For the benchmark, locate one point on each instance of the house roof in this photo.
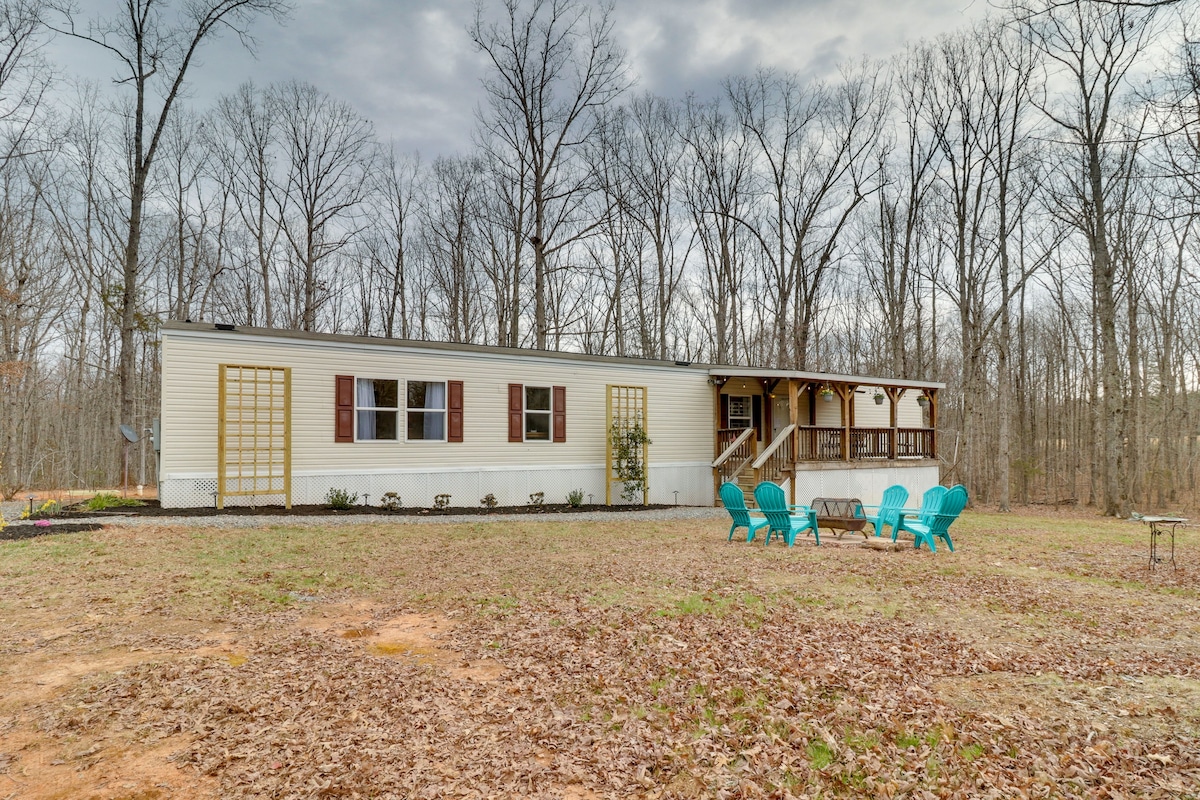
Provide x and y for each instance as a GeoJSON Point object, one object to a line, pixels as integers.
{"type": "Point", "coordinates": [344, 340]}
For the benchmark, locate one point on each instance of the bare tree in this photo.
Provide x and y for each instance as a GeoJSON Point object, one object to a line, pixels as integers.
{"type": "Point", "coordinates": [452, 242]}
{"type": "Point", "coordinates": [245, 139]}
{"type": "Point", "coordinates": [154, 45]}
{"type": "Point", "coordinates": [24, 78]}
{"type": "Point", "coordinates": [329, 150]}
{"type": "Point", "coordinates": [553, 67]}
{"type": "Point", "coordinates": [653, 171]}
{"type": "Point", "coordinates": [27, 277]}
{"type": "Point", "coordinates": [1091, 47]}
{"type": "Point", "coordinates": [185, 161]}
{"type": "Point", "coordinates": [720, 164]}
{"type": "Point", "coordinates": [390, 238]}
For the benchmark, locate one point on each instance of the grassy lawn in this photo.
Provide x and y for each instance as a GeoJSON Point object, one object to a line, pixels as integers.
{"type": "Point", "coordinates": [595, 660]}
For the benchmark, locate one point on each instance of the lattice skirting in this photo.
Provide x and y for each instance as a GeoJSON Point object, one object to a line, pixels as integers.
{"type": "Point", "coordinates": [865, 484]}
{"type": "Point", "coordinates": [466, 487]}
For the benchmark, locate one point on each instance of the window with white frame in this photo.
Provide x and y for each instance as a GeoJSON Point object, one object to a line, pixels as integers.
{"type": "Point", "coordinates": [741, 411]}
{"type": "Point", "coordinates": [376, 402]}
{"type": "Point", "coordinates": [426, 411]}
{"type": "Point", "coordinates": [537, 413]}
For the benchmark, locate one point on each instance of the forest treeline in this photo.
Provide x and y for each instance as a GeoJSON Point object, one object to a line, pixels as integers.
{"type": "Point", "coordinates": [1010, 209]}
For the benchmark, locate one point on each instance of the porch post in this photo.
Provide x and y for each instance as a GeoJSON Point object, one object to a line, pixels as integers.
{"type": "Point", "coordinates": [933, 412]}
{"type": "Point", "coordinates": [893, 395]}
{"type": "Point", "coordinates": [716, 438]}
{"type": "Point", "coordinates": [793, 419]}
{"type": "Point", "coordinates": [845, 393]}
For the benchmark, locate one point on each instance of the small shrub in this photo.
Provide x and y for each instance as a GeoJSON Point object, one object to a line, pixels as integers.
{"type": "Point", "coordinates": [390, 501]}
{"type": "Point", "coordinates": [107, 500]}
{"type": "Point", "coordinates": [441, 501]}
{"type": "Point", "coordinates": [489, 501]}
{"type": "Point", "coordinates": [537, 498]}
{"type": "Point", "coordinates": [575, 498]}
{"type": "Point", "coordinates": [340, 499]}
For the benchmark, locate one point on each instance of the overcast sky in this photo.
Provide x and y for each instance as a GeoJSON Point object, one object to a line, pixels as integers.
{"type": "Point", "coordinates": [409, 66]}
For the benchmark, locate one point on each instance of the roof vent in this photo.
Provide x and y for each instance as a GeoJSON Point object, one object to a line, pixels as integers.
{"type": "Point", "coordinates": [225, 326]}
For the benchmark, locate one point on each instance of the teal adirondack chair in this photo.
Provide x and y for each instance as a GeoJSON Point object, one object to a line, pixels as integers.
{"type": "Point", "coordinates": [938, 526]}
{"type": "Point", "coordinates": [773, 503]}
{"type": "Point", "coordinates": [735, 503]}
{"type": "Point", "coordinates": [931, 501]}
{"type": "Point", "coordinates": [888, 511]}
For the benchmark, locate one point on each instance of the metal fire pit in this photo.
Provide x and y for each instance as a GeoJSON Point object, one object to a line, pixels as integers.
{"type": "Point", "coordinates": [843, 513]}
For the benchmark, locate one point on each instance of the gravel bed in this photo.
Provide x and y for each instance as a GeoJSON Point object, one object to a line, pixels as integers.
{"type": "Point", "coordinates": [266, 520]}
{"type": "Point", "coordinates": [12, 509]}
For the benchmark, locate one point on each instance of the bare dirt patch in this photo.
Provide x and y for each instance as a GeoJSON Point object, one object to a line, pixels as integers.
{"type": "Point", "coordinates": [94, 762]}
{"type": "Point", "coordinates": [420, 638]}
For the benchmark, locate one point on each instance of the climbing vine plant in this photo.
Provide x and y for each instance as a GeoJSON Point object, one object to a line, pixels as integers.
{"type": "Point", "coordinates": [629, 459]}
{"type": "Point", "coordinates": [627, 443]}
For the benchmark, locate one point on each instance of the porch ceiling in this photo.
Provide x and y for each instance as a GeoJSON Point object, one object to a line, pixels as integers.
{"type": "Point", "coordinates": [860, 380]}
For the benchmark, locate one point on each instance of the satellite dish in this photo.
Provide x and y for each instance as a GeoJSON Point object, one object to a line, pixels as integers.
{"type": "Point", "coordinates": [129, 433]}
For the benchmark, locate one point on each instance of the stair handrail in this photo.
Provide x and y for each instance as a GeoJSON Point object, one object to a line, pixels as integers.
{"type": "Point", "coordinates": [733, 446]}
{"type": "Point", "coordinates": [775, 444]}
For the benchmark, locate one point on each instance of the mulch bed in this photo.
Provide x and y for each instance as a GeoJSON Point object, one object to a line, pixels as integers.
{"type": "Point", "coordinates": [153, 509]}
{"type": "Point", "coordinates": [16, 532]}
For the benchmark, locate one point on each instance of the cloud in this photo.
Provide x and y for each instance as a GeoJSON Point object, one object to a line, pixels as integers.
{"type": "Point", "coordinates": [411, 68]}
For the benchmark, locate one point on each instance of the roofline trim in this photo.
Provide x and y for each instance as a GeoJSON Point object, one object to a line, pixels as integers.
{"type": "Point", "coordinates": [861, 380]}
{"type": "Point", "coordinates": [209, 331]}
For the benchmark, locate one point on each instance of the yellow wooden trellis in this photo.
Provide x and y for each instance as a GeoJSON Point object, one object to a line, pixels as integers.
{"type": "Point", "coordinates": [625, 409]}
{"type": "Point", "coordinates": [254, 432]}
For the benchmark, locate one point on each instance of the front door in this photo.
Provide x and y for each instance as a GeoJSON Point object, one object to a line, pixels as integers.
{"type": "Point", "coordinates": [780, 418]}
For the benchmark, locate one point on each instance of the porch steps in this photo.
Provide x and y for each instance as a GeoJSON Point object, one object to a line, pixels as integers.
{"type": "Point", "coordinates": [745, 482]}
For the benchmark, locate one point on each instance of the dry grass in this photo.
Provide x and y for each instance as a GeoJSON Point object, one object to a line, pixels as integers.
{"type": "Point", "coordinates": [581, 660]}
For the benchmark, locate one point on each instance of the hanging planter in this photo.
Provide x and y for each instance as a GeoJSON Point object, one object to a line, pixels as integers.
{"type": "Point", "coordinates": [879, 398]}
{"type": "Point", "coordinates": [923, 400]}
{"type": "Point", "coordinates": [826, 394]}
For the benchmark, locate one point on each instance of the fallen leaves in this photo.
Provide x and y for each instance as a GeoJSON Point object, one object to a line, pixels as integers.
{"type": "Point", "coordinates": [693, 669]}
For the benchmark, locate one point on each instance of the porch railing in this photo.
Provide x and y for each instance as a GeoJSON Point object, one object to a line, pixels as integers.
{"type": "Point", "coordinates": [736, 456]}
{"type": "Point", "coordinates": [867, 443]}
{"type": "Point", "coordinates": [777, 458]}
{"type": "Point", "coordinates": [914, 443]}
{"type": "Point", "coordinates": [816, 443]}
{"type": "Point", "coordinates": [819, 444]}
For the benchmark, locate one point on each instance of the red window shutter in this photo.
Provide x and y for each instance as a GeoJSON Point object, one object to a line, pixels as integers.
{"type": "Point", "coordinates": [560, 413]}
{"type": "Point", "coordinates": [343, 423]}
{"type": "Point", "coordinates": [516, 412]}
{"type": "Point", "coordinates": [454, 411]}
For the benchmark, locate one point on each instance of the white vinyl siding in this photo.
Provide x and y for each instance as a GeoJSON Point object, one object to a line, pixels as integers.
{"type": "Point", "coordinates": [829, 412]}
{"type": "Point", "coordinates": [679, 418]}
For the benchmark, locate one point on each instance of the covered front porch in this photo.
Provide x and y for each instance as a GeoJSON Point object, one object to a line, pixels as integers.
{"type": "Point", "coordinates": [774, 425]}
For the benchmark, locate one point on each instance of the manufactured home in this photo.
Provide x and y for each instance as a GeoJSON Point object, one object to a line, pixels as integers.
{"type": "Point", "coordinates": [252, 416]}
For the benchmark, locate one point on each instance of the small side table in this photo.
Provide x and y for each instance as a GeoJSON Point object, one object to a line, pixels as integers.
{"type": "Point", "coordinates": [1160, 526]}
